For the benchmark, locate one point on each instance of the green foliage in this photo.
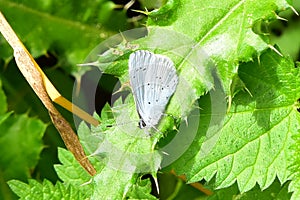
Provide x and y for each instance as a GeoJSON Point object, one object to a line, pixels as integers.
{"type": "Point", "coordinates": [116, 162]}
{"type": "Point", "coordinates": [21, 145]}
{"type": "Point", "coordinates": [46, 190]}
{"type": "Point", "coordinates": [79, 185]}
{"type": "Point", "coordinates": [69, 29]}
{"type": "Point", "coordinates": [248, 150]}
{"type": "Point", "coordinates": [295, 184]}
{"type": "Point", "coordinates": [223, 29]}
{"type": "Point", "coordinates": [70, 171]}
{"type": "Point", "coordinates": [274, 191]}
{"type": "Point", "coordinates": [287, 33]}
{"type": "Point", "coordinates": [255, 137]}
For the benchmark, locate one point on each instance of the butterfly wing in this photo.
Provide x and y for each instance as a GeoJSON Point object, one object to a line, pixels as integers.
{"type": "Point", "coordinates": [153, 80]}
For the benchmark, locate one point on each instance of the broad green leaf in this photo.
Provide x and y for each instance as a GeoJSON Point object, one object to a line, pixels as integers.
{"type": "Point", "coordinates": [76, 180]}
{"type": "Point", "coordinates": [222, 28]}
{"type": "Point", "coordinates": [121, 161]}
{"type": "Point", "coordinates": [121, 181]}
{"type": "Point", "coordinates": [243, 142]}
{"type": "Point", "coordinates": [79, 185]}
{"type": "Point", "coordinates": [69, 29]}
{"type": "Point", "coordinates": [71, 172]}
{"type": "Point", "coordinates": [252, 144]}
{"type": "Point", "coordinates": [191, 39]}
{"type": "Point", "coordinates": [295, 184]}
{"type": "Point", "coordinates": [21, 144]}
{"type": "Point", "coordinates": [45, 190]}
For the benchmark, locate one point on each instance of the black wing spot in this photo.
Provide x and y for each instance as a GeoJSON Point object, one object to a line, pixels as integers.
{"type": "Point", "coordinates": [144, 69]}
{"type": "Point", "coordinates": [162, 88]}
{"type": "Point", "coordinates": [167, 97]}
{"type": "Point", "coordinates": [156, 100]}
{"type": "Point", "coordinates": [148, 83]}
{"type": "Point", "coordinates": [149, 102]}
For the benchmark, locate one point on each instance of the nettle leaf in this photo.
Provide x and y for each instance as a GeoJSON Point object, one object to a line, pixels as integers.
{"type": "Point", "coordinates": [21, 144]}
{"type": "Point", "coordinates": [295, 184]}
{"type": "Point", "coordinates": [244, 145]}
{"type": "Point", "coordinates": [191, 39]}
{"type": "Point", "coordinates": [252, 144]}
{"type": "Point", "coordinates": [67, 29]}
{"type": "Point", "coordinates": [222, 29]}
{"type": "Point", "coordinates": [120, 160]}
{"type": "Point", "coordinates": [196, 73]}
{"type": "Point", "coordinates": [45, 190]}
{"type": "Point", "coordinates": [71, 172]}
{"type": "Point", "coordinates": [275, 191]}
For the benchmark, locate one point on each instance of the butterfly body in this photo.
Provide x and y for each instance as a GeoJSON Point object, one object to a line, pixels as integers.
{"type": "Point", "coordinates": [153, 80]}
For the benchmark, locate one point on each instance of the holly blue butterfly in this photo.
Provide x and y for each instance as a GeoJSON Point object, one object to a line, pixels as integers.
{"type": "Point", "coordinates": [153, 80]}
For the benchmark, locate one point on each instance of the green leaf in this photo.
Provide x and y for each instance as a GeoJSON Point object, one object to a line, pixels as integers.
{"type": "Point", "coordinates": [295, 184]}
{"type": "Point", "coordinates": [45, 190]}
{"type": "Point", "coordinates": [141, 190]}
{"type": "Point", "coordinates": [120, 161]}
{"type": "Point", "coordinates": [21, 144]}
{"type": "Point", "coordinates": [275, 191]}
{"type": "Point", "coordinates": [120, 180]}
{"type": "Point", "coordinates": [20, 188]}
{"type": "Point", "coordinates": [255, 125]}
{"type": "Point", "coordinates": [76, 180]}
{"type": "Point", "coordinates": [252, 143]}
{"type": "Point", "coordinates": [71, 172]}
{"type": "Point", "coordinates": [222, 29]}
{"type": "Point", "coordinates": [191, 39]}
{"type": "Point", "coordinates": [69, 29]}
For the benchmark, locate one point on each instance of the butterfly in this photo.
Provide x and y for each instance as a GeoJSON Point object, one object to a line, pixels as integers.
{"type": "Point", "coordinates": [153, 80]}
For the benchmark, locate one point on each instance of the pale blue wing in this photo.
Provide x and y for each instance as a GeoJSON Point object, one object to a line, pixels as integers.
{"type": "Point", "coordinates": [153, 80]}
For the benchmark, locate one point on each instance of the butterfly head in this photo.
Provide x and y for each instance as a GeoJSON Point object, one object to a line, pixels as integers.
{"type": "Point", "coordinates": [142, 124]}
